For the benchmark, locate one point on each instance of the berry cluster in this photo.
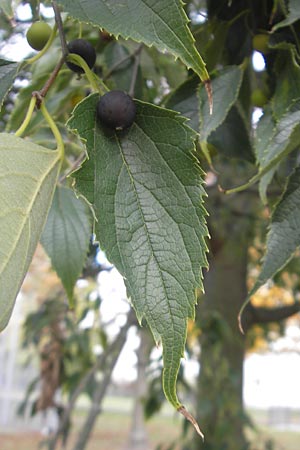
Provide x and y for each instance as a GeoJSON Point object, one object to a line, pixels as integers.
{"type": "Point", "coordinates": [115, 109]}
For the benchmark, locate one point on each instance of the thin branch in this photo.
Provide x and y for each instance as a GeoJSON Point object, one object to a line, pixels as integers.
{"type": "Point", "coordinates": [101, 362]}
{"type": "Point", "coordinates": [40, 95]}
{"type": "Point", "coordinates": [110, 361]}
{"type": "Point", "coordinates": [60, 27]}
{"type": "Point", "coordinates": [258, 315]}
{"type": "Point", "coordinates": [135, 70]}
{"type": "Point", "coordinates": [115, 66]}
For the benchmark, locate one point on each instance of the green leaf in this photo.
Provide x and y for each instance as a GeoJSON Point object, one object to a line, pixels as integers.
{"type": "Point", "coordinates": [264, 134]}
{"type": "Point", "coordinates": [66, 236]}
{"type": "Point", "coordinates": [162, 23]}
{"type": "Point", "coordinates": [146, 189]}
{"type": "Point", "coordinates": [6, 7]}
{"type": "Point", "coordinates": [225, 89]}
{"type": "Point", "coordinates": [284, 235]}
{"type": "Point", "coordinates": [185, 100]}
{"type": "Point", "coordinates": [122, 75]}
{"type": "Point", "coordinates": [281, 142]}
{"type": "Point", "coordinates": [287, 83]}
{"type": "Point", "coordinates": [293, 15]}
{"type": "Point", "coordinates": [28, 175]}
{"type": "Point", "coordinates": [232, 138]}
{"type": "Point", "coordinates": [8, 72]}
{"type": "Point", "coordinates": [264, 183]}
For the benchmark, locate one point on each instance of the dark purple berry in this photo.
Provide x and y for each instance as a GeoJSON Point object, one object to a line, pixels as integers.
{"type": "Point", "coordinates": [84, 49]}
{"type": "Point", "coordinates": [116, 110]}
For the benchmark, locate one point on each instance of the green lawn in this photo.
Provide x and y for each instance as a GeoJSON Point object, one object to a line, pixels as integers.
{"type": "Point", "coordinates": [112, 430]}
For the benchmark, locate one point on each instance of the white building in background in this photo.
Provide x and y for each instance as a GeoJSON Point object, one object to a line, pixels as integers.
{"type": "Point", "coordinates": [272, 380]}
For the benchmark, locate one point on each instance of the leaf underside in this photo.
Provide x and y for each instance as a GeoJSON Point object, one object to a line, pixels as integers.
{"type": "Point", "coordinates": [8, 72]}
{"type": "Point", "coordinates": [292, 16]}
{"type": "Point", "coordinates": [66, 236]}
{"type": "Point", "coordinates": [274, 141]}
{"type": "Point", "coordinates": [28, 174]}
{"type": "Point", "coordinates": [225, 88]}
{"type": "Point", "coordinates": [284, 235]}
{"type": "Point", "coordinates": [164, 25]}
{"type": "Point", "coordinates": [146, 190]}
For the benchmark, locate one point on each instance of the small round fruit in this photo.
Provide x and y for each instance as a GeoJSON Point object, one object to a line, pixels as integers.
{"type": "Point", "coordinates": [258, 98]}
{"type": "Point", "coordinates": [84, 49]}
{"type": "Point", "coordinates": [116, 110]}
{"type": "Point", "coordinates": [38, 34]}
{"type": "Point", "coordinates": [260, 43]}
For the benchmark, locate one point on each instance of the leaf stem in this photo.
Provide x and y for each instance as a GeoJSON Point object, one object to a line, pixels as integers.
{"type": "Point", "coordinates": [28, 116]}
{"type": "Point", "coordinates": [54, 129]}
{"type": "Point", "coordinates": [257, 176]}
{"type": "Point", "coordinates": [95, 82]}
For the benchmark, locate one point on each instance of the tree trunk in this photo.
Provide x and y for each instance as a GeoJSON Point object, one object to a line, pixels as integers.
{"type": "Point", "coordinates": [220, 384]}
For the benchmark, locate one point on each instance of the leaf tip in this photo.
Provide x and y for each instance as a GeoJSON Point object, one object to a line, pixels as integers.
{"type": "Point", "coordinates": [240, 324]}
{"type": "Point", "coordinates": [182, 410]}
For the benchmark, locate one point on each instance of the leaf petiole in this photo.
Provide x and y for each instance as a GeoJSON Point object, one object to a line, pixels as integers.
{"type": "Point", "coordinates": [258, 175]}
{"type": "Point", "coordinates": [28, 116]}
{"type": "Point", "coordinates": [95, 82]}
{"type": "Point", "coordinates": [54, 129]}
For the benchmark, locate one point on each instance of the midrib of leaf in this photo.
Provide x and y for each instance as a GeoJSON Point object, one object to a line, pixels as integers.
{"type": "Point", "coordinates": [27, 211]}
{"type": "Point", "coordinates": [179, 181]}
{"type": "Point", "coordinates": [168, 375]}
{"type": "Point", "coordinates": [133, 183]}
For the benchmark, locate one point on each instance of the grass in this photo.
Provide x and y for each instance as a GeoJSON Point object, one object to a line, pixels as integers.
{"type": "Point", "coordinates": [112, 430]}
{"type": "Point", "coordinates": [110, 433]}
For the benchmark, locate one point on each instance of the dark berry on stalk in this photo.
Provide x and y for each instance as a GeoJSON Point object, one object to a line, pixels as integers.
{"type": "Point", "coordinates": [116, 110]}
{"type": "Point", "coordinates": [84, 49]}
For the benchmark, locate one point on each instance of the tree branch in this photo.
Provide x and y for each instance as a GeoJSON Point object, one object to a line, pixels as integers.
{"type": "Point", "coordinates": [258, 315]}
{"type": "Point", "coordinates": [60, 27]}
{"type": "Point", "coordinates": [112, 356]}
{"type": "Point", "coordinates": [114, 349]}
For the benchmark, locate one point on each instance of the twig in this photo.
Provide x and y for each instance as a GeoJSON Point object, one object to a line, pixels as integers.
{"type": "Point", "coordinates": [112, 355]}
{"type": "Point", "coordinates": [40, 95]}
{"type": "Point", "coordinates": [115, 66]}
{"type": "Point", "coordinates": [135, 69]}
{"type": "Point", "coordinates": [60, 27]}
{"type": "Point", "coordinates": [114, 348]}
